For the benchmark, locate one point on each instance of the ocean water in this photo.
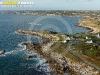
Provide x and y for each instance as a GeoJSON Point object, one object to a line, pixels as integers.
{"type": "Point", "coordinates": [13, 61]}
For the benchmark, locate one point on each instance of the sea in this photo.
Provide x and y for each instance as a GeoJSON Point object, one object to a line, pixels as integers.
{"type": "Point", "coordinates": [13, 62]}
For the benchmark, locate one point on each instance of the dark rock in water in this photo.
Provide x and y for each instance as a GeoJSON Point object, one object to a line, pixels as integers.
{"type": "Point", "coordinates": [24, 44]}
{"type": "Point", "coordinates": [2, 52]}
{"type": "Point", "coordinates": [52, 32]}
{"type": "Point", "coordinates": [28, 57]}
{"type": "Point", "coordinates": [35, 56]}
{"type": "Point", "coordinates": [31, 56]}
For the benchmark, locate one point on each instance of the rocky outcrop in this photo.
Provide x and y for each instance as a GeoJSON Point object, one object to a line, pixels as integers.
{"type": "Point", "coordinates": [28, 57]}
{"type": "Point", "coordinates": [2, 52]}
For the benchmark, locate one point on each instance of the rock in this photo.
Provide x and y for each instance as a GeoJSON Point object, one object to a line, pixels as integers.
{"type": "Point", "coordinates": [28, 57]}
{"type": "Point", "coordinates": [2, 52]}
{"type": "Point", "coordinates": [35, 56]}
{"type": "Point", "coordinates": [24, 44]}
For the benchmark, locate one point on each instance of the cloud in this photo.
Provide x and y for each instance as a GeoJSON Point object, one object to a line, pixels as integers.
{"type": "Point", "coordinates": [75, 0]}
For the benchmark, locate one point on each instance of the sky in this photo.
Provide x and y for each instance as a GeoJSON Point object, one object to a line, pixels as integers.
{"type": "Point", "coordinates": [57, 5]}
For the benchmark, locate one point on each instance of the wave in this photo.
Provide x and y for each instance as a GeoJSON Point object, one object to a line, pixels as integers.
{"type": "Point", "coordinates": [34, 23]}
{"type": "Point", "coordinates": [23, 46]}
{"type": "Point", "coordinates": [42, 66]}
{"type": "Point", "coordinates": [15, 51]}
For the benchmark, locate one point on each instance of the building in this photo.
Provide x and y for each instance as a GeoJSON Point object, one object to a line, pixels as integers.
{"type": "Point", "coordinates": [98, 35]}
{"type": "Point", "coordinates": [89, 41]}
{"type": "Point", "coordinates": [64, 41]}
{"type": "Point", "coordinates": [87, 37]}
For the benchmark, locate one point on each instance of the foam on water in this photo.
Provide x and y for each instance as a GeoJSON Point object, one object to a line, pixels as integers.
{"type": "Point", "coordinates": [24, 47]}
{"type": "Point", "coordinates": [16, 51]}
{"type": "Point", "coordinates": [41, 66]}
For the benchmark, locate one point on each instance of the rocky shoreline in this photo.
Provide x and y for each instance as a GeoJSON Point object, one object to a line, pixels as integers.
{"type": "Point", "coordinates": [58, 63]}
{"type": "Point", "coordinates": [44, 50]}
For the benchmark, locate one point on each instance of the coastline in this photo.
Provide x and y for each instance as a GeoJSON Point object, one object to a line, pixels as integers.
{"type": "Point", "coordinates": [72, 65]}
{"type": "Point", "coordinates": [44, 51]}
{"type": "Point", "coordinates": [58, 63]}
{"type": "Point", "coordinates": [87, 23]}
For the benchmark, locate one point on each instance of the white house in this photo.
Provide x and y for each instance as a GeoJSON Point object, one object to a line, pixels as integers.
{"type": "Point", "coordinates": [87, 37]}
{"type": "Point", "coordinates": [67, 38]}
{"type": "Point", "coordinates": [98, 35]}
{"type": "Point", "coordinates": [64, 41]}
{"type": "Point", "coordinates": [89, 41]}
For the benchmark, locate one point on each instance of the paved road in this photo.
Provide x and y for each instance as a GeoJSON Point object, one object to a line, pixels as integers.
{"type": "Point", "coordinates": [83, 60]}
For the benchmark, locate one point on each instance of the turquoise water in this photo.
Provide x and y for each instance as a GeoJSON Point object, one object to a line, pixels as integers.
{"type": "Point", "coordinates": [13, 62]}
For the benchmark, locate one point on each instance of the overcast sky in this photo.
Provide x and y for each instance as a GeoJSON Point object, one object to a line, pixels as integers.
{"type": "Point", "coordinates": [59, 5]}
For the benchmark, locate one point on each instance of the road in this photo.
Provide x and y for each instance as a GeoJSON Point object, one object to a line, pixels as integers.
{"type": "Point", "coordinates": [83, 60]}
